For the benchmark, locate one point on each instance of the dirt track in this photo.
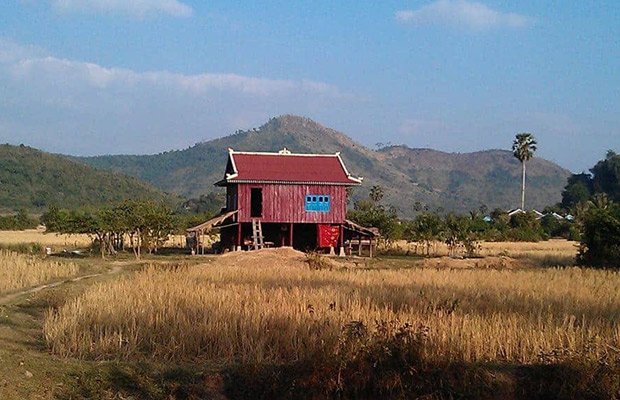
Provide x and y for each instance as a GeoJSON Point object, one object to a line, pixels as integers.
{"type": "Point", "coordinates": [9, 297]}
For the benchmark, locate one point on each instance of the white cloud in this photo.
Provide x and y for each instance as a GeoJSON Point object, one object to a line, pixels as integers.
{"type": "Point", "coordinates": [84, 108]}
{"type": "Point", "coordinates": [461, 13]}
{"type": "Point", "coordinates": [10, 51]}
{"type": "Point", "coordinates": [139, 8]}
{"type": "Point", "coordinates": [53, 70]}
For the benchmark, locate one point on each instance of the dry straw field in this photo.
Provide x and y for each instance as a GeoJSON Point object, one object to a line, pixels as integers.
{"type": "Point", "coordinates": [271, 307]}
{"type": "Point", "coordinates": [44, 239]}
{"type": "Point", "coordinates": [60, 242]}
{"type": "Point", "coordinates": [563, 251]}
{"type": "Point", "coordinates": [18, 270]}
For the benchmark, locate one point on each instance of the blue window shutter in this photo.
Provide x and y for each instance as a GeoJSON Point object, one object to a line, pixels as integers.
{"type": "Point", "coordinates": [317, 203]}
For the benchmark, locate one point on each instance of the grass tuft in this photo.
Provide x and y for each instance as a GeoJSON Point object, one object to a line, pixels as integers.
{"type": "Point", "coordinates": [20, 270]}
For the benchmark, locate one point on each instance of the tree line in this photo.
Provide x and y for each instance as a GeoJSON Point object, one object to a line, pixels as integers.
{"type": "Point", "coordinates": [139, 226]}
{"type": "Point", "coordinates": [594, 199]}
{"type": "Point", "coordinates": [461, 233]}
{"type": "Point", "coordinates": [20, 221]}
{"type": "Point", "coordinates": [591, 200]}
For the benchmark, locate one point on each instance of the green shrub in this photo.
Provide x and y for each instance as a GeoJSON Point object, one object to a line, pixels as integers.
{"type": "Point", "coordinates": [524, 227]}
{"type": "Point", "coordinates": [17, 222]}
{"type": "Point", "coordinates": [556, 228]}
{"type": "Point", "coordinates": [600, 237]}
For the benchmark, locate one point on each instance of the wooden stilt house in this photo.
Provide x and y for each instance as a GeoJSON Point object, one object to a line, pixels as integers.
{"type": "Point", "coordinates": [286, 199]}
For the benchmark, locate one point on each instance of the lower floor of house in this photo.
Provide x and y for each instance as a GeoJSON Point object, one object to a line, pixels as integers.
{"type": "Point", "coordinates": [301, 236]}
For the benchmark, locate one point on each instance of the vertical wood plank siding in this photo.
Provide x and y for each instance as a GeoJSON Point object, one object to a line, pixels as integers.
{"type": "Point", "coordinates": [286, 203]}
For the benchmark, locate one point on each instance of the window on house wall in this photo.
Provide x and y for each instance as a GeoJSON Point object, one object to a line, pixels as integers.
{"type": "Point", "coordinates": [318, 203]}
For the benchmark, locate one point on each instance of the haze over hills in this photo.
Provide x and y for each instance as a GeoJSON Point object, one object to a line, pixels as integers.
{"type": "Point", "coordinates": [490, 177]}
{"type": "Point", "coordinates": [452, 181]}
{"type": "Point", "coordinates": [34, 179]}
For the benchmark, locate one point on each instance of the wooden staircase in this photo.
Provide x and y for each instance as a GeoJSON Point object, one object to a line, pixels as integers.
{"type": "Point", "coordinates": [257, 235]}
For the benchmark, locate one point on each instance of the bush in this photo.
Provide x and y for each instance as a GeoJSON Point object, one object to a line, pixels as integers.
{"type": "Point", "coordinates": [556, 228]}
{"type": "Point", "coordinates": [600, 237]}
{"type": "Point", "coordinates": [524, 227]}
{"type": "Point", "coordinates": [18, 222]}
{"type": "Point", "coordinates": [373, 215]}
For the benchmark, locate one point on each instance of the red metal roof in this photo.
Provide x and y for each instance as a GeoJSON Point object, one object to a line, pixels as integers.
{"type": "Point", "coordinates": [289, 168]}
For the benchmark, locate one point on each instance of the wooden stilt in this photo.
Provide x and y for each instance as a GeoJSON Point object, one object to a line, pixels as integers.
{"type": "Point", "coordinates": [341, 250]}
{"type": "Point", "coordinates": [351, 246]}
{"type": "Point", "coordinates": [282, 236]}
{"type": "Point", "coordinates": [290, 235]}
{"type": "Point", "coordinates": [359, 245]}
{"type": "Point", "coordinates": [238, 244]}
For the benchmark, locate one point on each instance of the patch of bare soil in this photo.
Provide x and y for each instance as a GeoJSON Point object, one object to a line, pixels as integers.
{"type": "Point", "coordinates": [276, 257]}
{"type": "Point", "coordinates": [494, 262]}
{"type": "Point", "coordinates": [288, 257]}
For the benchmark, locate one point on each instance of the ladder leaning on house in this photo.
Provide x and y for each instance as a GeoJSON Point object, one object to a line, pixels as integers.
{"type": "Point", "coordinates": [257, 235]}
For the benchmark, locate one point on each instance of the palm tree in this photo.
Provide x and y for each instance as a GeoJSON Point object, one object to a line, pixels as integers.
{"type": "Point", "coordinates": [523, 149]}
{"type": "Point", "coordinates": [600, 201]}
{"type": "Point", "coordinates": [376, 193]}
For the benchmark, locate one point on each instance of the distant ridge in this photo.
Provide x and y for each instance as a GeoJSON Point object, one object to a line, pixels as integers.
{"type": "Point", "coordinates": [451, 181]}
{"type": "Point", "coordinates": [34, 179]}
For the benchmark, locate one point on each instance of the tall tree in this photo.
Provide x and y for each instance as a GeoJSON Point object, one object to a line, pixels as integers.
{"type": "Point", "coordinates": [376, 193]}
{"type": "Point", "coordinates": [606, 176]}
{"type": "Point", "coordinates": [523, 149]}
{"type": "Point", "coordinates": [579, 188]}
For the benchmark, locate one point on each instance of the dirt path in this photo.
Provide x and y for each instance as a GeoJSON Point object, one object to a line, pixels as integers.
{"type": "Point", "coordinates": [8, 298]}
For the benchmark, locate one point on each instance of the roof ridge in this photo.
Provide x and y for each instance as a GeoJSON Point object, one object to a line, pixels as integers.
{"type": "Point", "coordinates": [283, 152]}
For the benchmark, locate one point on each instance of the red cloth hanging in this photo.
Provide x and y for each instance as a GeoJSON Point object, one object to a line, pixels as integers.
{"type": "Point", "coordinates": [328, 235]}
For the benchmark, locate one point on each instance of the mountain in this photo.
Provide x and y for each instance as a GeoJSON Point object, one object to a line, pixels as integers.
{"type": "Point", "coordinates": [34, 180]}
{"type": "Point", "coordinates": [452, 181]}
{"type": "Point", "coordinates": [490, 177]}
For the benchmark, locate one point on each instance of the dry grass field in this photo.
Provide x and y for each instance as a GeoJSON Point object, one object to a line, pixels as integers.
{"type": "Point", "coordinates": [60, 242]}
{"type": "Point", "coordinates": [18, 270]}
{"type": "Point", "coordinates": [44, 239]}
{"type": "Point", "coordinates": [552, 252]}
{"type": "Point", "coordinates": [277, 323]}
{"type": "Point", "coordinates": [244, 308]}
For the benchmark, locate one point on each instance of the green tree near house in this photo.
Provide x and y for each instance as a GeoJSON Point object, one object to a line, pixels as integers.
{"type": "Point", "coordinates": [145, 223]}
{"type": "Point", "coordinates": [523, 148]}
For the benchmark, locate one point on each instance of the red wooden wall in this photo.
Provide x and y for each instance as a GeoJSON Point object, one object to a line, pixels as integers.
{"type": "Point", "coordinates": [286, 203]}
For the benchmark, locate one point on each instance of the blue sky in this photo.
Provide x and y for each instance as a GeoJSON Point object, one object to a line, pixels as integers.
{"type": "Point", "coordinates": [143, 76]}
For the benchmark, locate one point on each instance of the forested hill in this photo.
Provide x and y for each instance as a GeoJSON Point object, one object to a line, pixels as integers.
{"type": "Point", "coordinates": [458, 182]}
{"type": "Point", "coordinates": [490, 177]}
{"type": "Point", "coordinates": [34, 180]}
